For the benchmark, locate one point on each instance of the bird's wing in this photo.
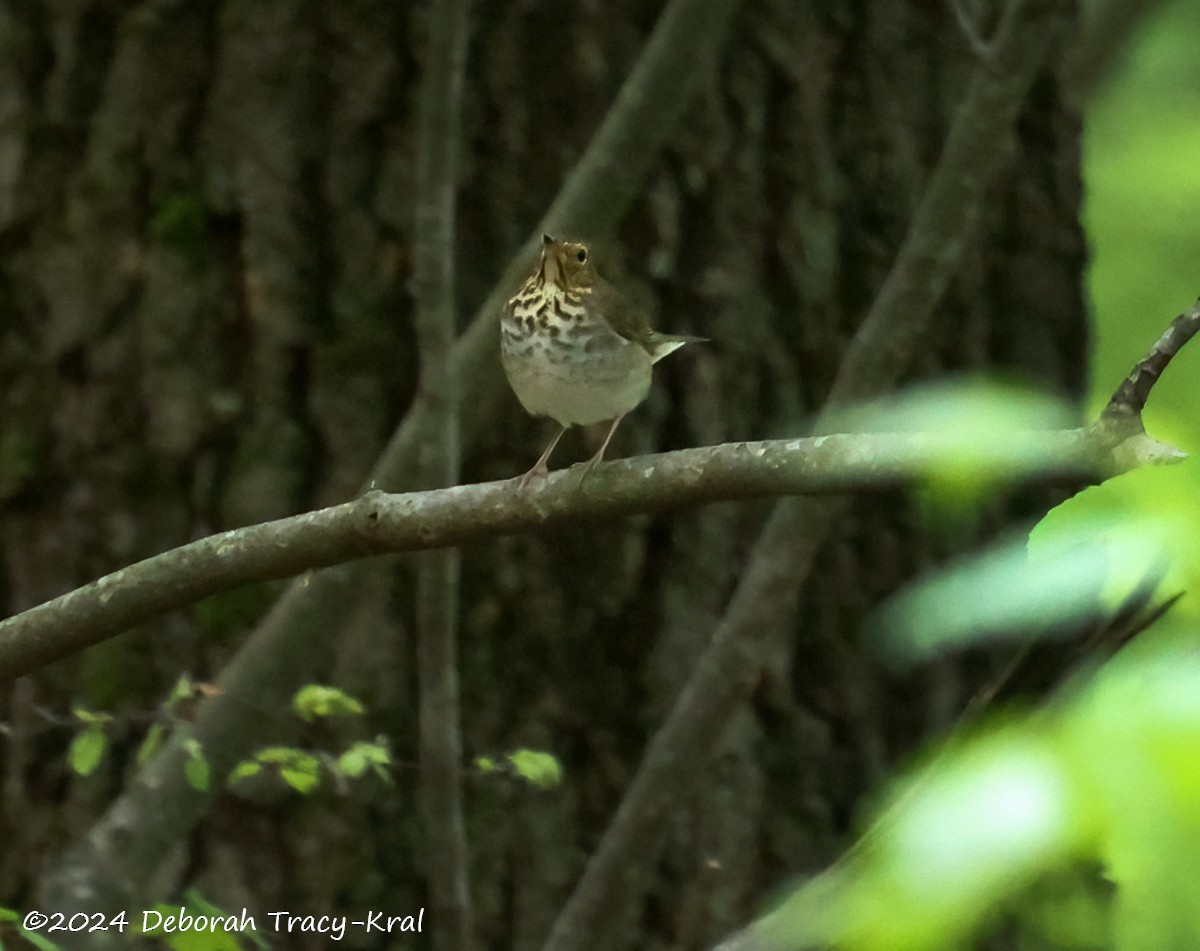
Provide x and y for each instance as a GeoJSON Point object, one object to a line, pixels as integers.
{"type": "Point", "coordinates": [620, 313]}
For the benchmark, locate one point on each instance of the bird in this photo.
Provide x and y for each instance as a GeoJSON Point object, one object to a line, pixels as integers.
{"type": "Point", "coordinates": [576, 349]}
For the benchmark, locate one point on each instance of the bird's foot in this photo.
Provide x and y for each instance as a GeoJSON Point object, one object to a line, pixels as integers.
{"type": "Point", "coordinates": [584, 469]}
{"type": "Point", "coordinates": [539, 471]}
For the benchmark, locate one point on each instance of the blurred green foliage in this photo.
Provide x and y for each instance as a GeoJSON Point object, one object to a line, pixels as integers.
{"type": "Point", "coordinates": [1108, 773]}
{"type": "Point", "coordinates": [1136, 535]}
{"type": "Point", "coordinates": [975, 436]}
{"type": "Point", "coordinates": [1076, 824]}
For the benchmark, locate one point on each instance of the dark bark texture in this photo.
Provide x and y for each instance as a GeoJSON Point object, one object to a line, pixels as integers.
{"type": "Point", "coordinates": [206, 234]}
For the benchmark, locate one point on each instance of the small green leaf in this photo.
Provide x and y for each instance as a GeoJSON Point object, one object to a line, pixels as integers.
{"type": "Point", "coordinates": [486, 765]}
{"type": "Point", "coordinates": [87, 750]}
{"type": "Point", "coordinates": [276, 756]}
{"type": "Point", "coordinates": [152, 743]}
{"type": "Point", "coordinates": [316, 700]}
{"type": "Point", "coordinates": [197, 770]}
{"type": "Point", "coordinates": [38, 941]}
{"type": "Point", "coordinates": [244, 770]}
{"type": "Point", "coordinates": [83, 715]}
{"type": "Point", "coordinates": [360, 757]}
{"type": "Point", "coordinates": [299, 769]}
{"type": "Point", "coordinates": [184, 689]}
{"type": "Point", "coordinates": [539, 768]}
{"type": "Point", "coordinates": [11, 916]}
{"type": "Point", "coordinates": [301, 780]}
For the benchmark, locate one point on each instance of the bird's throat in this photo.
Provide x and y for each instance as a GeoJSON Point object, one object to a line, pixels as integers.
{"type": "Point", "coordinates": [550, 271]}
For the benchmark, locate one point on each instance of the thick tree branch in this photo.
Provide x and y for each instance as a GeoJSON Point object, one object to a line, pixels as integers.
{"type": "Point", "coordinates": [977, 148]}
{"type": "Point", "coordinates": [438, 574]}
{"type": "Point", "coordinates": [378, 523]}
{"type": "Point", "coordinates": [112, 867]}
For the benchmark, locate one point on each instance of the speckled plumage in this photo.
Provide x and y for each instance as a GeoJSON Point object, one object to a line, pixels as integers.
{"type": "Point", "coordinates": [574, 348]}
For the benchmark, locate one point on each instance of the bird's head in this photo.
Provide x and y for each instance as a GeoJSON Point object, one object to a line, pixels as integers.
{"type": "Point", "coordinates": [566, 264]}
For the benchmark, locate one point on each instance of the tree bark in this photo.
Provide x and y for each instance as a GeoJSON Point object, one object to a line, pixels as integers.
{"type": "Point", "coordinates": [206, 217]}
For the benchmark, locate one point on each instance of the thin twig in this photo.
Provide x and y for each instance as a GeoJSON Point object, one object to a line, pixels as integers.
{"type": "Point", "coordinates": [438, 573]}
{"type": "Point", "coordinates": [1129, 400]}
{"type": "Point", "coordinates": [975, 152]}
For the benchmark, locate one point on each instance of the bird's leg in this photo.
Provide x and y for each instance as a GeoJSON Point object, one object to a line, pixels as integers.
{"type": "Point", "coordinates": [587, 466]}
{"type": "Point", "coordinates": [541, 469]}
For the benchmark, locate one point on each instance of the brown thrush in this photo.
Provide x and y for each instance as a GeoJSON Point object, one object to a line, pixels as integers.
{"type": "Point", "coordinates": [575, 348]}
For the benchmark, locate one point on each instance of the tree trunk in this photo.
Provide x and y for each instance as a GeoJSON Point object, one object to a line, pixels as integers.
{"type": "Point", "coordinates": [206, 219]}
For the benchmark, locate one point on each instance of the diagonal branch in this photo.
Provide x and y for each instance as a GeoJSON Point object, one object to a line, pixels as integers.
{"type": "Point", "coordinates": [1130, 398]}
{"type": "Point", "coordinates": [976, 150]}
{"type": "Point", "coordinates": [440, 788]}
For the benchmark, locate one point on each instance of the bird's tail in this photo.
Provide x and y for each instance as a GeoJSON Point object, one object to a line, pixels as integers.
{"type": "Point", "coordinates": [663, 344]}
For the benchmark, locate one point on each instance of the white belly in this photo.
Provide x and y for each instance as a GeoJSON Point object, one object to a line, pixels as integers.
{"type": "Point", "coordinates": [578, 390]}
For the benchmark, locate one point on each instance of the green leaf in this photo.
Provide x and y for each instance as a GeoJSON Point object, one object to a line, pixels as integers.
{"type": "Point", "coordinates": [90, 717]}
{"type": "Point", "coordinates": [1002, 593]}
{"type": "Point", "coordinates": [87, 750]}
{"type": "Point", "coordinates": [1134, 737]}
{"type": "Point", "coordinates": [183, 690]}
{"type": "Point", "coordinates": [1135, 535]}
{"type": "Point", "coordinates": [302, 780]}
{"type": "Point", "coordinates": [316, 700]}
{"type": "Point", "coordinates": [11, 916]}
{"type": "Point", "coordinates": [360, 757]}
{"type": "Point", "coordinates": [196, 769]}
{"type": "Point", "coordinates": [299, 769]}
{"type": "Point", "coordinates": [1160, 505]}
{"type": "Point", "coordinates": [40, 942]}
{"type": "Point", "coordinates": [972, 827]}
{"type": "Point", "coordinates": [243, 770]}
{"type": "Point", "coordinates": [534, 766]}
{"type": "Point", "coordinates": [152, 743]}
{"type": "Point", "coordinates": [15, 918]}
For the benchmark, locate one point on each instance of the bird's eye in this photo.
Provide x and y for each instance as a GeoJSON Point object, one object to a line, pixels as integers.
{"type": "Point", "coordinates": [581, 255]}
